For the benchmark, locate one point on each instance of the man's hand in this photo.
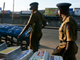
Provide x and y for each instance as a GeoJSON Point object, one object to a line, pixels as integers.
{"type": "Point", "coordinates": [43, 26]}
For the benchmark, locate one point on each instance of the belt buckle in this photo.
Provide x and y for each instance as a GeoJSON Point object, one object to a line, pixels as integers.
{"type": "Point", "coordinates": [63, 42]}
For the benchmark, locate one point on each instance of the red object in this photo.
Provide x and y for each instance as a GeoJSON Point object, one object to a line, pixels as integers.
{"type": "Point", "coordinates": [41, 53]}
{"type": "Point", "coordinates": [68, 26]}
{"type": "Point", "coordinates": [52, 56]}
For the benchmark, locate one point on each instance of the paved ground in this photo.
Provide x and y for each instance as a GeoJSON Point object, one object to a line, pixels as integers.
{"type": "Point", "coordinates": [50, 40]}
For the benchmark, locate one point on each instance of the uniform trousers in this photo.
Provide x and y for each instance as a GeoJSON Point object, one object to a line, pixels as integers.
{"type": "Point", "coordinates": [70, 55]}
{"type": "Point", "coordinates": [34, 39]}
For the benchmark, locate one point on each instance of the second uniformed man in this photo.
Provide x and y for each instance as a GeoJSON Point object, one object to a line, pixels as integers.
{"type": "Point", "coordinates": [36, 21]}
{"type": "Point", "coordinates": [67, 34]}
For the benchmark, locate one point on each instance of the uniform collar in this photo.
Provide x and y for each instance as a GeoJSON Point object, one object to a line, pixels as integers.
{"type": "Point", "coordinates": [65, 17]}
{"type": "Point", "coordinates": [35, 11]}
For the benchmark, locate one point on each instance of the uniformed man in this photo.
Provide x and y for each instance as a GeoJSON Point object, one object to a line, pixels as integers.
{"type": "Point", "coordinates": [67, 34]}
{"type": "Point", "coordinates": [36, 22]}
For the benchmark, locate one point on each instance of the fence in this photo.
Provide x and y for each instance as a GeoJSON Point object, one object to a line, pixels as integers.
{"type": "Point", "coordinates": [23, 22]}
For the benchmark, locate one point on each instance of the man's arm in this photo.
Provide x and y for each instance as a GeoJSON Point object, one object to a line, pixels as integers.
{"type": "Point", "coordinates": [66, 51]}
{"type": "Point", "coordinates": [43, 22]}
{"type": "Point", "coordinates": [28, 25]}
{"type": "Point", "coordinates": [25, 28]}
{"type": "Point", "coordinates": [69, 39]}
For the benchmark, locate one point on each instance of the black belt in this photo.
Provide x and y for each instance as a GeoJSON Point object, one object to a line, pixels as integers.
{"type": "Point", "coordinates": [66, 41]}
{"type": "Point", "coordinates": [63, 41]}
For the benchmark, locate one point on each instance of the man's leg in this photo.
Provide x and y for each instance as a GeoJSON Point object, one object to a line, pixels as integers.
{"type": "Point", "coordinates": [33, 42]}
{"type": "Point", "coordinates": [37, 39]}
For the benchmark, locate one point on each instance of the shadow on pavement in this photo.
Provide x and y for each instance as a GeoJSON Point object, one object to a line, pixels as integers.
{"type": "Point", "coordinates": [49, 27]}
{"type": "Point", "coordinates": [57, 28]}
{"type": "Point", "coordinates": [52, 28]}
{"type": "Point", "coordinates": [45, 47]}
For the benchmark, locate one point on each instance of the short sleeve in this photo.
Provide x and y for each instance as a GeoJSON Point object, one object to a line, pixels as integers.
{"type": "Point", "coordinates": [68, 32]}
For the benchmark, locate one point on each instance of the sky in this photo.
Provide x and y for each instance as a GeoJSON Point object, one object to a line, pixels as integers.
{"type": "Point", "coordinates": [23, 5]}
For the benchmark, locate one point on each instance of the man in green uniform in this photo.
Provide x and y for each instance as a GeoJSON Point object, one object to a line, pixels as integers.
{"type": "Point", "coordinates": [36, 22]}
{"type": "Point", "coordinates": [67, 34]}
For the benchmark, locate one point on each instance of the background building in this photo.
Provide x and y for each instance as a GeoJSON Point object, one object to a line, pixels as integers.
{"type": "Point", "coordinates": [50, 14]}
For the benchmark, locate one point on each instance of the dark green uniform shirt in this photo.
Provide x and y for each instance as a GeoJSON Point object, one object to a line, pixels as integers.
{"type": "Point", "coordinates": [35, 21]}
